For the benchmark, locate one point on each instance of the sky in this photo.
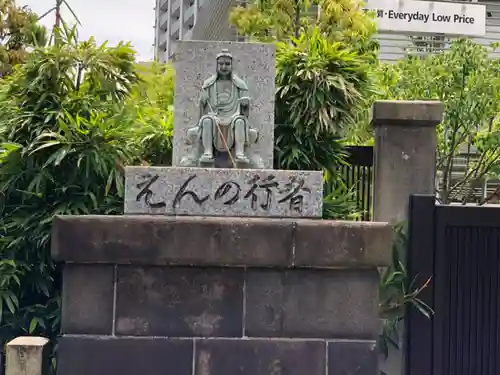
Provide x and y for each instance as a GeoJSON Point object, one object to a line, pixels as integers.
{"type": "Point", "coordinates": [107, 20]}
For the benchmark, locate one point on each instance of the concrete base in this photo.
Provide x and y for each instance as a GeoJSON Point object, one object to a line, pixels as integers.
{"type": "Point", "coordinates": [27, 356]}
{"type": "Point", "coordinates": [196, 295]}
{"type": "Point", "coordinates": [223, 192]}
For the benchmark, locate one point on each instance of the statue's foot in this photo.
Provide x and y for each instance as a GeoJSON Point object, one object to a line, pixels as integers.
{"type": "Point", "coordinates": [241, 158]}
{"type": "Point", "coordinates": [187, 162]}
{"type": "Point", "coordinates": [206, 159]}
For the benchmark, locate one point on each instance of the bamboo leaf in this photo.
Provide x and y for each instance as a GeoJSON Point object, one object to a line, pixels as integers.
{"type": "Point", "coordinates": [45, 145]}
{"type": "Point", "coordinates": [33, 325]}
{"type": "Point", "coordinates": [9, 303]}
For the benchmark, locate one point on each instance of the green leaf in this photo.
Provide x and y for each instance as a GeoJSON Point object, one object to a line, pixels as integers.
{"type": "Point", "coordinates": [33, 325]}
{"type": "Point", "coordinates": [108, 184]}
{"type": "Point", "coordinates": [9, 303]}
{"type": "Point", "coordinates": [45, 145]}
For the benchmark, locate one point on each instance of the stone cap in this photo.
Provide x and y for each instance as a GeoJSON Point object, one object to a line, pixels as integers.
{"type": "Point", "coordinates": [407, 113]}
{"type": "Point", "coordinates": [28, 341]}
{"type": "Point", "coordinates": [220, 241]}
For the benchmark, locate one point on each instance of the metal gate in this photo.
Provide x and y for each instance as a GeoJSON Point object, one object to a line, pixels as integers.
{"type": "Point", "coordinates": [459, 247]}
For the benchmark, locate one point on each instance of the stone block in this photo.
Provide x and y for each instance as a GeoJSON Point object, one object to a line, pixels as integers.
{"type": "Point", "coordinates": [325, 243]}
{"type": "Point", "coordinates": [259, 357]}
{"type": "Point", "coordinates": [179, 301]}
{"type": "Point", "coordinates": [223, 192]}
{"type": "Point", "coordinates": [26, 356]}
{"type": "Point", "coordinates": [195, 61]}
{"type": "Point", "coordinates": [405, 155]}
{"type": "Point", "coordinates": [312, 303]}
{"type": "Point", "coordinates": [80, 355]}
{"type": "Point", "coordinates": [164, 240]}
{"type": "Point", "coordinates": [352, 357]}
{"type": "Point", "coordinates": [407, 113]}
{"type": "Point", "coordinates": [87, 299]}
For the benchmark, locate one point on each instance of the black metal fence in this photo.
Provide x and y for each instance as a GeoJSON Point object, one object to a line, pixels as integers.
{"type": "Point", "coordinates": [459, 247]}
{"type": "Point", "coordinates": [358, 176]}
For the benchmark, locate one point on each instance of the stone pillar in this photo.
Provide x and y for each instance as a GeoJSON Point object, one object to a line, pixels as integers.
{"type": "Point", "coordinates": [26, 356]}
{"type": "Point", "coordinates": [405, 154]}
{"type": "Point", "coordinates": [404, 164]}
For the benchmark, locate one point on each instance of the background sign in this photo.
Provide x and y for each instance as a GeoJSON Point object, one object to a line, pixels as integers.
{"type": "Point", "coordinates": [429, 17]}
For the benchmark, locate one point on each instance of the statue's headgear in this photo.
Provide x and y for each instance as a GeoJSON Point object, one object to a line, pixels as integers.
{"type": "Point", "coordinates": [224, 53]}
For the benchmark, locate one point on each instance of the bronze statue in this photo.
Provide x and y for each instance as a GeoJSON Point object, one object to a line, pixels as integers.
{"type": "Point", "coordinates": [223, 126]}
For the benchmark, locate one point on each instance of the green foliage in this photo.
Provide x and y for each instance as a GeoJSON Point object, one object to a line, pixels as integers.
{"type": "Point", "coordinates": [320, 84]}
{"type": "Point", "coordinates": [60, 25]}
{"type": "Point", "coordinates": [320, 87]}
{"type": "Point", "coordinates": [18, 31]}
{"type": "Point", "coordinates": [467, 81]}
{"type": "Point", "coordinates": [71, 117]}
{"type": "Point", "coordinates": [151, 105]}
{"type": "Point", "coordinates": [337, 20]}
{"type": "Point", "coordinates": [397, 291]}
{"type": "Point", "coordinates": [345, 21]}
{"type": "Point", "coordinates": [339, 201]}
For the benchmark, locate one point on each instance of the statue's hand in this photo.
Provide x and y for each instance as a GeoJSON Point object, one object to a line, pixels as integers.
{"type": "Point", "coordinates": [245, 101]}
{"type": "Point", "coordinates": [203, 98]}
{"type": "Point", "coordinates": [191, 135]}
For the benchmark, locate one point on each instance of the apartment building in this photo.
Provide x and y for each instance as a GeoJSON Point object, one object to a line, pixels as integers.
{"type": "Point", "coordinates": [190, 20]}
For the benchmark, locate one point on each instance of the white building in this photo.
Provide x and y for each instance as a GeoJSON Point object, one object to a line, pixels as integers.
{"type": "Point", "coordinates": [208, 20]}
{"type": "Point", "coordinates": [393, 46]}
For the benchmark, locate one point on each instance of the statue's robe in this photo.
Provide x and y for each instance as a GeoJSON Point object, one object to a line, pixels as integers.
{"type": "Point", "coordinates": [226, 106]}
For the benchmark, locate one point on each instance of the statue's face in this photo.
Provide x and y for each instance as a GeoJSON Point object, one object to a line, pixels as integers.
{"type": "Point", "coordinates": [224, 66]}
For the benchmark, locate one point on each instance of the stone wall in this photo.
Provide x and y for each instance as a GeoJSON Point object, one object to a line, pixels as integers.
{"type": "Point", "coordinates": [153, 295]}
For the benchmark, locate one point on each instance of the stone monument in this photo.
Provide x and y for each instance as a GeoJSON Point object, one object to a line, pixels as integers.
{"type": "Point", "coordinates": [171, 286]}
{"type": "Point", "coordinates": [223, 142]}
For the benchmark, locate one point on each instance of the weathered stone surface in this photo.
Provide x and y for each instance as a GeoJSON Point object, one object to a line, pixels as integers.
{"type": "Point", "coordinates": [87, 299]}
{"type": "Point", "coordinates": [405, 156]}
{"type": "Point", "coordinates": [254, 63]}
{"type": "Point", "coordinates": [27, 356]}
{"type": "Point", "coordinates": [325, 243]}
{"type": "Point", "coordinates": [79, 355]}
{"type": "Point", "coordinates": [164, 240]}
{"type": "Point", "coordinates": [312, 303]}
{"type": "Point", "coordinates": [407, 113]}
{"type": "Point", "coordinates": [179, 301]}
{"type": "Point", "coordinates": [352, 357]}
{"type": "Point", "coordinates": [223, 192]}
{"type": "Point", "coordinates": [259, 357]}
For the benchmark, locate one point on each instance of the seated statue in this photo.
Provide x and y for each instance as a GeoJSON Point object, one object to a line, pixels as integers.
{"type": "Point", "coordinates": [223, 125]}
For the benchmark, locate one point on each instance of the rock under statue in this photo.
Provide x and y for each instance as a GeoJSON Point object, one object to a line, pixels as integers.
{"type": "Point", "coordinates": [223, 127]}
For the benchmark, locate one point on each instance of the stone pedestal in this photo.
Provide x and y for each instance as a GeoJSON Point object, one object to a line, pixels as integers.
{"type": "Point", "coordinates": [27, 356]}
{"type": "Point", "coordinates": [213, 295]}
{"type": "Point", "coordinates": [223, 192]}
{"type": "Point", "coordinates": [405, 155]}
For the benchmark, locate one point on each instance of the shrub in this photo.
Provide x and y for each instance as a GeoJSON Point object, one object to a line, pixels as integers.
{"type": "Point", "coordinates": [71, 117]}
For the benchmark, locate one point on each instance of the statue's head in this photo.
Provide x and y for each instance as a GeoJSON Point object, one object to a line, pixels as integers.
{"type": "Point", "coordinates": [224, 63]}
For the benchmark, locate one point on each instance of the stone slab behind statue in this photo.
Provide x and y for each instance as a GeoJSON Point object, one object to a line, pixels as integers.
{"type": "Point", "coordinates": [223, 192]}
{"type": "Point", "coordinates": [195, 61]}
